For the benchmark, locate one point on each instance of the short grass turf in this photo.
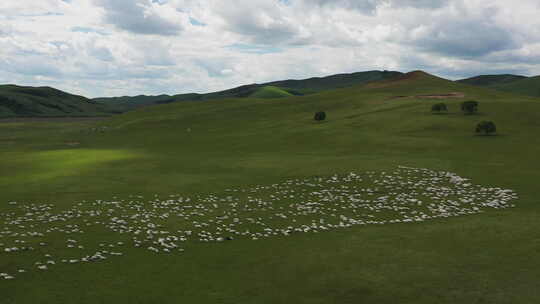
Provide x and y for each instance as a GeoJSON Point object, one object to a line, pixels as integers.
{"type": "Point", "coordinates": [197, 148]}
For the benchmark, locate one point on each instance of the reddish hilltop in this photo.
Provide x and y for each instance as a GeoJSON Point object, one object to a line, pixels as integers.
{"type": "Point", "coordinates": [404, 79]}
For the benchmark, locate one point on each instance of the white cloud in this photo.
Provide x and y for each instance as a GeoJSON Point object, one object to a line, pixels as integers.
{"type": "Point", "coordinates": [145, 17]}
{"type": "Point", "coordinates": [121, 47]}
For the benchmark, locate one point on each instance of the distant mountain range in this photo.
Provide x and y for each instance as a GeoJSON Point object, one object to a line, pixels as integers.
{"type": "Point", "coordinates": [19, 101]}
{"type": "Point", "coordinates": [275, 89]}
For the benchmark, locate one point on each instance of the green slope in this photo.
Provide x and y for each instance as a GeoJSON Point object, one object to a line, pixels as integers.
{"type": "Point", "coordinates": [491, 80]}
{"type": "Point", "coordinates": [133, 101]}
{"type": "Point", "coordinates": [270, 92]}
{"type": "Point", "coordinates": [17, 101]}
{"type": "Point", "coordinates": [528, 86]}
{"type": "Point", "coordinates": [319, 84]}
{"type": "Point", "coordinates": [194, 148]}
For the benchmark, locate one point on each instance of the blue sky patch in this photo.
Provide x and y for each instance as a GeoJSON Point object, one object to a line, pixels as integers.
{"type": "Point", "coordinates": [196, 22]}
{"type": "Point", "coordinates": [82, 29]}
{"type": "Point", "coordinates": [254, 49]}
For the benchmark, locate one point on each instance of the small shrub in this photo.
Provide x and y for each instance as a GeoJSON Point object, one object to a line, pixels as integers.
{"type": "Point", "coordinates": [320, 116]}
{"type": "Point", "coordinates": [469, 107]}
{"type": "Point", "coordinates": [439, 108]}
{"type": "Point", "coordinates": [486, 128]}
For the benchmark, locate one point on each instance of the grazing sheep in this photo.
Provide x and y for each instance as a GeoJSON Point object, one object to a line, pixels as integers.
{"type": "Point", "coordinates": [311, 205]}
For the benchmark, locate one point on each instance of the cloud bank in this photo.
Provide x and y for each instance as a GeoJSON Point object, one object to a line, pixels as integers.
{"type": "Point", "coordinates": [130, 47]}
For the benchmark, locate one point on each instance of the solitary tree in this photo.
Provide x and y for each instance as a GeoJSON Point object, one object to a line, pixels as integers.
{"type": "Point", "coordinates": [469, 107]}
{"type": "Point", "coordinates": [320, 116]}
{"type": "Point", "coordinates": [486, 128]}
{"type": "Point", "coordinates": [439, 108]}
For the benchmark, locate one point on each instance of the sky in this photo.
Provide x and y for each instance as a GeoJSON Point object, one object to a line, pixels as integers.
{"type": "Point", "coordinates": [129, 47]}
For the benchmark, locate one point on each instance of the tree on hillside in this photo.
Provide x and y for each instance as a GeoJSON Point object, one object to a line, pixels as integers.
{"type": "Point", "coordinates": [320, 116]}
{"type": "Point", "coordinates": [469, 107]}
{"type": "Point", "coordinates": [486, 128]}
{"type": "Point", "coordinates": [439, 108]}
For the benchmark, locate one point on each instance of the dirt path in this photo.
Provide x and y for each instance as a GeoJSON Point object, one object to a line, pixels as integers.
{"type": "Point", "coordinates": [434, 96]}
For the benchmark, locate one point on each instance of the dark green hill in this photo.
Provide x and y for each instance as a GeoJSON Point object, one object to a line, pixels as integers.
{"type": "Point", "coordinates": [529, 86]}
{"type": "Point", "coordinates": [20, 101]}
{"type": "Point", "coordinates": [491, 80]}
{"type": "Point", "coordinates": [318, 84]}
{"type": "Point", "coordinates": [127, 101]}
{"type": "Point", "coordinates": [252, 90]}
{"type": "Point", "coordinates": [275, 89]}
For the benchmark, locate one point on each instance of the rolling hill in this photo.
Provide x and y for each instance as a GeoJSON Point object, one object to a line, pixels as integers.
{"type": "Point", "coordinates": [275, 89]}
{"type": "Point", "coordinates": [17, 101]}
{"type": "Point", "coordinates": [491, 80]}
{"type": "Point", "coordinates": [319, 84]}
{"type": "Point", "coordinates": [126, 102]}
{"type": "Point", "coordinates": [20, 101]}
{"type": "Point", "coordinates": [527, 86]}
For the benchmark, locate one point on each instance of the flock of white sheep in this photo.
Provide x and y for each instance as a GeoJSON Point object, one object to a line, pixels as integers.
{"type": "Point", "coordinates": [36, 237]}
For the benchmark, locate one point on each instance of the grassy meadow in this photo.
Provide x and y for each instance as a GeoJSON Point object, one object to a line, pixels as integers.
{"type": "Point", "coordinates": [198, 148]}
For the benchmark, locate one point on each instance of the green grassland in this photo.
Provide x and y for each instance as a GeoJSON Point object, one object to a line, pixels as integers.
{"type": "Point", "coordinates": [194, 148]}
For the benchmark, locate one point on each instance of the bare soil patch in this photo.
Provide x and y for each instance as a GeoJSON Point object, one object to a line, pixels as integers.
{"type": "Point", "coordinates": [434, 96]}
{"type": "Point", "coordinates": [441, 96]}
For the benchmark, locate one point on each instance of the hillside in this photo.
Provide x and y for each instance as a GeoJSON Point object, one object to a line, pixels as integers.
{"type": "Point", "coordinates": [19, 101]}
{"type": "Point", "coordinates": [410, 80]}
{"type": "Point", "coordinates": [270, 92]}
{"type": "Point", "coordinates": [133, 101]}
{"type": "Point", "coordinates": [207, 167]}
{"type": "Point", "coordinates": [421, 85]}
{"type": "Point", "coordinates": [275, 89]}
{"type": "Point", "coordinates": [491, 80]}
{"type": "Point", "coordinates": [528, 86]}
{"type": "Point", "coordinates": [319, 84]}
